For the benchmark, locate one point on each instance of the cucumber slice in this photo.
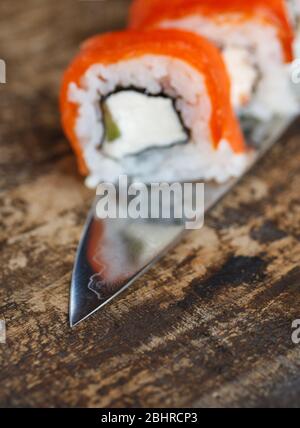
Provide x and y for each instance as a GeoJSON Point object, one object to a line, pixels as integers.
{"type": "Point", "coordinates": [112, 131]}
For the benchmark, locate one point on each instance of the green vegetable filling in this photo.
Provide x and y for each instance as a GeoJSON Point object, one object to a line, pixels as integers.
{"type": "Point", "coordinates": [112, 131]}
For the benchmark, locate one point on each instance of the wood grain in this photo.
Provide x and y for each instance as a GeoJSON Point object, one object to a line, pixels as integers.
{"type": "Point", "coordinates": [210, 325]}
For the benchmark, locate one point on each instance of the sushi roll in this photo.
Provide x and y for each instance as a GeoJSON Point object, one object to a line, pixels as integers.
{"type": "Point", "coordinates": [153, 105]}
{"type": "Point", "coordinates": [294, 9]}
{"type": "Point", "coordinates": [255, 37]}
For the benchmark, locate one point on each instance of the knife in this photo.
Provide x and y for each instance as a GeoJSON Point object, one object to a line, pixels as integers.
{"type": "Point", "coordinates": [113, 253]}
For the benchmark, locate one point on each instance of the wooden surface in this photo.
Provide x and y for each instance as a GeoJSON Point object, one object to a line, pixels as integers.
{"type": "Point", "coordinates": [208, 326]}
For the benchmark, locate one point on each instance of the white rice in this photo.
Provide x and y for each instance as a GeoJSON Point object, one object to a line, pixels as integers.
{"type": "Point", "coordinates": [156, 74]}
{"type": "Point", "coordinates": [273, 94]}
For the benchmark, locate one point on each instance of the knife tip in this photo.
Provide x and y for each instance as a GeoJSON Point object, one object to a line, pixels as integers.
{"type": "Point", "coordinates": [73, 323]}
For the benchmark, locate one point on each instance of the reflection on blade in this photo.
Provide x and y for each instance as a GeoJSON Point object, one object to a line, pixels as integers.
{"type": "Point", "coordinates": [115, 252]}
{"type": "Point", "coordinates": [112, 254]}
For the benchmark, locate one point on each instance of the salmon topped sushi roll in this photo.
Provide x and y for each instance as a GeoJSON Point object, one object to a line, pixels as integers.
{"type": "Point", "coordinates": [294, 9]}
{"type": "Point", "coordinates": [153, 105]}
{"type": "Point", "coordinates": [256, 40]}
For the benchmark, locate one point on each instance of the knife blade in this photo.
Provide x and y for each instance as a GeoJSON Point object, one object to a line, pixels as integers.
{"type": "Point", "coordinates": [113, 253]}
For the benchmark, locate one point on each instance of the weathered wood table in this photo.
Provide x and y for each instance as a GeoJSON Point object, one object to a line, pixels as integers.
{"type": "Point", "coordinates": [210, 325]}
